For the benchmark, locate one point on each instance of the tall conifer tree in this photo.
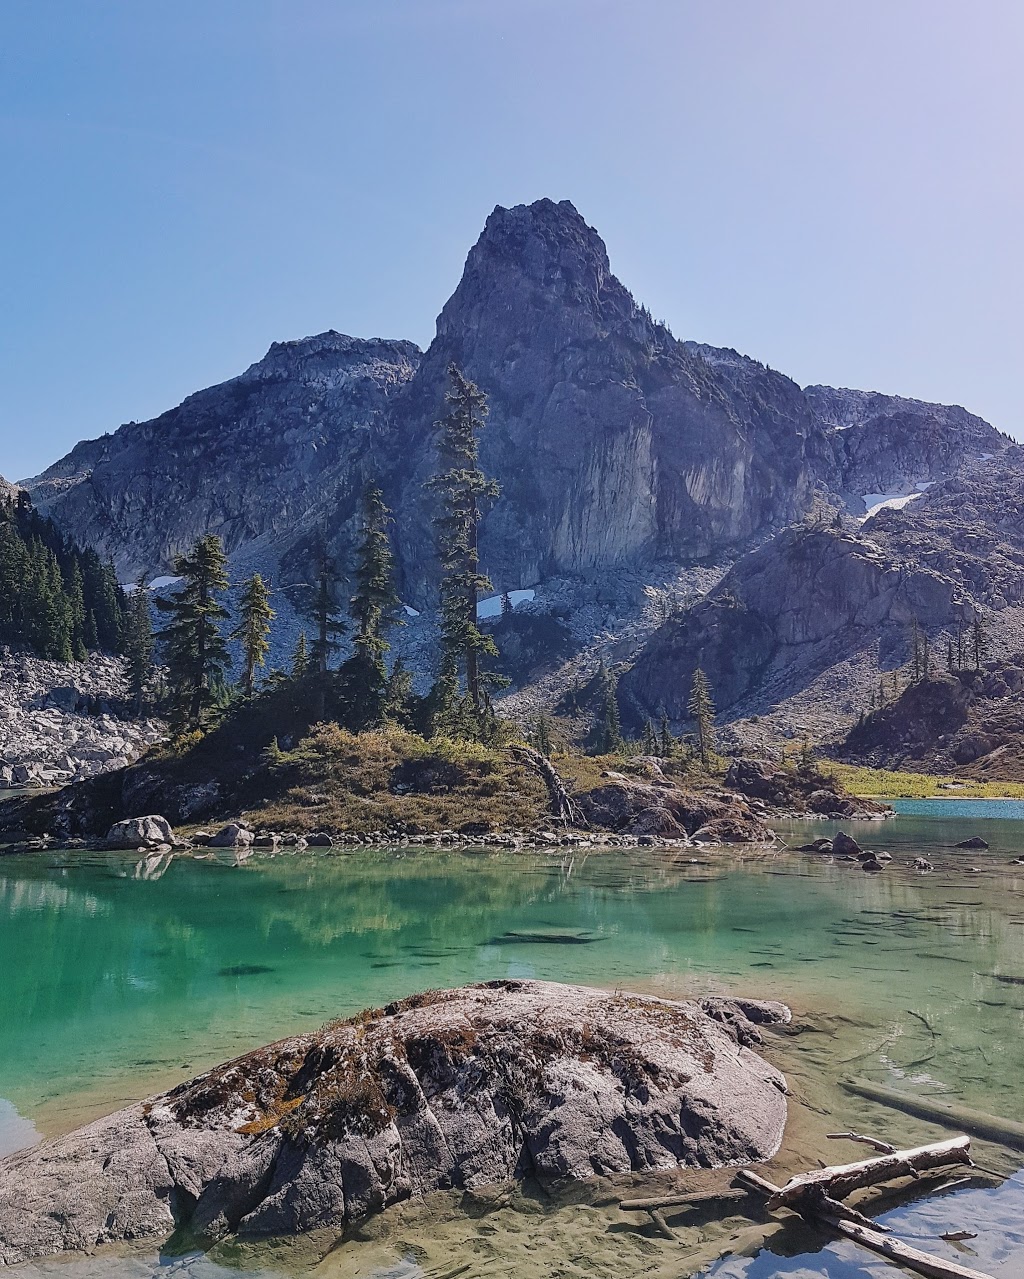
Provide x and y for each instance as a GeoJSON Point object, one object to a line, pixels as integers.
{"type": "Point", "coordinates": [373, 606]}
{"type": "Point", "coordinates": [702, 711]}
{"type": "Point", "coordinates": [194, 648]}
{"type": "Point", "coordinates": [462, 488]}
{"type": "Point", "coordinates": [253, 629]}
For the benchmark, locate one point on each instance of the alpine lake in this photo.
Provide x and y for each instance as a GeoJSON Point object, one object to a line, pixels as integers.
{"type": "Point", "coordinates": [124, 975]}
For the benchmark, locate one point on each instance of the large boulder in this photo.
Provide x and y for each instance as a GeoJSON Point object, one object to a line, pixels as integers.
{"type": "Point", "coordinates": [230, 836]}
{"type": "Point", "coordinates": [140, 832]}
{"type": "Point", "coordinates": [457, 1088]}
{"type": "Point", "coordinates": [633, 807]}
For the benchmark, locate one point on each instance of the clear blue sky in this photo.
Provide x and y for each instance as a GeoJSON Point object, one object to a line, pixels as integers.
{"type": "Point", "coordinates": [835, 188]}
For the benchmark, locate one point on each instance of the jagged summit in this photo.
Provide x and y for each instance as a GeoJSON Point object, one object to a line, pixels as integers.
{"type": "Point", "coordinates": [615, 445]}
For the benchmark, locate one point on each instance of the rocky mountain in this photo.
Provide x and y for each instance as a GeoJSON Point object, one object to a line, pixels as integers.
{"type": "Point", "coordinates": [795, 607]}
{"type": "Point", "coordinates": [967, 722]}
{"type": "Point", "coordinates": [254, 458]}
{"type": "Point", "coordinates": [635, 471]}
{"type": "Point", "coordinates": [615, 444]}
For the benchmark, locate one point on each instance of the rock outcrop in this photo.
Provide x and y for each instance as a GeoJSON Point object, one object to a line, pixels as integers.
{"type": "Point", "coordinates": [62, 723]}
{"type": "Point", "coordinates": [460, 1088]}
{"type": "Point", "coordinates": [795, 606]}
{"type": "Point", "coordinates": [966, 722]}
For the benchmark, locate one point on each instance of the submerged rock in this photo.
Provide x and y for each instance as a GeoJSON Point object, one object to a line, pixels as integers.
{"type": "Point", "coordinates": [458, 1088]}
{"type": "Point", "coordinates": [844, 845]}
{"type": "Point", "coordinates": [975, 841]}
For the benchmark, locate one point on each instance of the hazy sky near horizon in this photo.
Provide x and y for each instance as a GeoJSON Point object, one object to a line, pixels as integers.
{"type": "Point", "coordinates": [835, 189]}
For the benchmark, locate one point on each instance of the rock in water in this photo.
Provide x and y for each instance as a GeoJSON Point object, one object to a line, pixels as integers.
{"type": "Point", "coordinates": [145, 832]}
{"type": "Point", "coordinates": [975, 841]}
{"type": "Point", "coordinates": [455, 1088]}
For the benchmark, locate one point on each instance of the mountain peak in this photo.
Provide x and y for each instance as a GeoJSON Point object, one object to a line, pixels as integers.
{"type": "Point", "coordinates": [534, 258]}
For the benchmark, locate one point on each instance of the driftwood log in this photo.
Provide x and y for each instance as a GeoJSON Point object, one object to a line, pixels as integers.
{"type": "Point", "coordinates": [809, 1194]}
{"type": "Point", "coordinates": [563, 806]}
{"type": "Point", "coordinates": [1006, 1132]}
{"type": "Point", "coordinates": [841, 1180]}
{"type": "Point", "coordinates": [883, 1147]}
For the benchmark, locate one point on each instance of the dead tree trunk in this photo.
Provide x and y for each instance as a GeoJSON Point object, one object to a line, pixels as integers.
{"type": "Point", "coordinates": [563, 806]}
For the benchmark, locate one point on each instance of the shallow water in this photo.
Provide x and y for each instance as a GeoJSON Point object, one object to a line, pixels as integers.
{"type": "Point", "coordinates": [123, 975]}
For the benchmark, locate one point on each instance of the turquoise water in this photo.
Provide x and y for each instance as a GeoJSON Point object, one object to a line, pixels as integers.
{"type": "Point", "coordinates": [948, 809]}
{"type": "Point", "coordinates": [124, 975]}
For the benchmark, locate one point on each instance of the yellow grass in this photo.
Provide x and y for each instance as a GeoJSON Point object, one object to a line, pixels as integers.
{"type": "Point", "coordinates": [880, 783]}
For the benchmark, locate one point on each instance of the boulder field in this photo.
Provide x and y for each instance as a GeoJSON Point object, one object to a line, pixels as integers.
{"type": "Point", "coordinates": [448, 1089]}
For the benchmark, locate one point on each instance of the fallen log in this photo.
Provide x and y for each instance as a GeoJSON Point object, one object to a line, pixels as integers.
{"type": "Point", "coordinates": [563, 806]}
{"type": "Point", "coordinates": [842, 1179]}
{"type": "Point", "coordinates": [678, 1201]}
{"type": "Point", "coordinates": [922, 1263]}
{"type": "Point", "coordinates": [1005, 1132]}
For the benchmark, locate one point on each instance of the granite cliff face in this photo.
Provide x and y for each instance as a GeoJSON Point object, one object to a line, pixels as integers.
{"type": "Point", "coordinates": [615, 444]}
{"type": "Point", "coordinates": [798, 605]}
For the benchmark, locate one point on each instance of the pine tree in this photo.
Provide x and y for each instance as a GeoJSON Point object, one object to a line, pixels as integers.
{"type": "Point", "coordinates": [374, 611]}
{"type": "Point", "coordinates": [139, 644]}
{"type": "Point", "coordinates": [666, 741]}
{"type": "Point", "coordinates": [195, 652]}
{"type": "Point", "coordinates": [326, 619]}
{"type": "Point", "coordinates": [979, 641]}
{"type": "Point", "coordinates": [506, 604]}
{"type": "Point", "coordinates": [702, 711]}
{"type": "Point", "coordinates": [300, 658]}
{"type": "Point", "coordinates": [607, 735]}
{"type": "Point", "coordinates": [650, 742]}
{"type": "Point", "coordinates": [252, 630]}
{"type": "Point", "coordinates": [461, 488]}
{"type": "Point", "coordinates": [542, 734]}
{"type": "Point", "coordinates": [916, 650]}
{"type": "Point", "coordinates": [398, 697]}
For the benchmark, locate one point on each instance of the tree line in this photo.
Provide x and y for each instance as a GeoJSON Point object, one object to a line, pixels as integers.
{"type": "Point", "coordinates": [361, 692]}
{"type": "Point", "coordinates": [57, 599]}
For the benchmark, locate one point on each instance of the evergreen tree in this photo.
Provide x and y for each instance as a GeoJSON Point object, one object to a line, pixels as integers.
{"type": "Point", "coordinates": [666, 741]}
{"type": "Point", "coordinates": [506, 604]}
{"type": "Point", "coordinates": [300, 658]}
{"type": "Point", "coordinates": [607, 735]}
{"type": "Point", "coordinates": [139, 644]}
{"type": "Point", "coordinates": [398, 697]}
{"type": "Point", "coordinates": [194, 649]}
{"type": "Point", "coordinates": [252, 630]}
{"type": "Point", "coordinates": [702, 711]}
{"type": "Point", "coordinates": [916, 650]}
{"type": "Point", "coordinates": [979, 641]}
{"type": "Point", "coordinates": [649, 744]}
{"type": "Point", "coordinates": [542, 735]}
{"type": "Point", "coordinates": [326, 616]}
{"type": "Point", "coordinates": [374, 611]}
{"type": "Point", "coordinates": [461, 488]}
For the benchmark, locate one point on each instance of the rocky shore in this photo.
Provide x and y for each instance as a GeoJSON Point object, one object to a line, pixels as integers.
{"type": "Point", "coordinates": [65, 723]}
{"type": "Point", "coordinates": [448, 1089]}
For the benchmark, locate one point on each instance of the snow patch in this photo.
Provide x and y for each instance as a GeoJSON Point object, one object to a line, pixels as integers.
{"type": "Point", "coordinates": [874, 502]}
{"type": "Point", "coordinates": [492, 607]}
{"type": "Point", "coordinates": [410, 611]}
{"type": "Point", "coordinates": [158, 583]}
{"type": "Point", "coordinates": [986, 457]}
